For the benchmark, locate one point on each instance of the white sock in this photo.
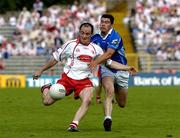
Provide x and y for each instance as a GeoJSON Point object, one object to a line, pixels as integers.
{"type": "Point", "coordinates": [109, 117]}
{"type": "Point", "coordinates": [76, 122]}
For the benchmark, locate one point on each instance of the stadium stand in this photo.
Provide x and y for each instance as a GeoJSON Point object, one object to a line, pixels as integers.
{"type": "Point", "coordinates": [27, 65]}
{"type": "Point", "coordinates": [7, 31]}
{"type": "Point", "coordinates": [36, 35]}
{"type": "Point", "coordinates": [31, 36]}
{"type": "Point", "coordinates": [119, 11]}
{"type": "Point", "coordinates": [156, 34]}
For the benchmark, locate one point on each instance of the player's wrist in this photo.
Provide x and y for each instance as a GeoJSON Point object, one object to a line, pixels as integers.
{"type": "Point", "coordinates": [95, 63]}
{"type": "Point", "coordinates": [40, 71]}
{"type": "Point", "coordinates": [108, 62]}
{"type": "Point", "coordinates": [128, 68]}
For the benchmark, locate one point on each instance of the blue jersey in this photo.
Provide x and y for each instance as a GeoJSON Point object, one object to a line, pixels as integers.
{"type": "Point", "coordinates": [113, 41]}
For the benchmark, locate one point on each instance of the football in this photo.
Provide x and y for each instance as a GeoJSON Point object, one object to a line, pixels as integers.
{"type": "Point", "coordinates": [57, 91]}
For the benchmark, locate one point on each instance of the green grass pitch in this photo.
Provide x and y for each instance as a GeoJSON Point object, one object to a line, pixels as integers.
{"type": "Point", "coordinates": [151, 112]}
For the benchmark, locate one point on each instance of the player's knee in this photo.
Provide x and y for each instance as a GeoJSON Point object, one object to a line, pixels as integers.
{"type": "Point", "coordinates": [87, 101]}
{"type": "Point", "coordinates": [110, 93]}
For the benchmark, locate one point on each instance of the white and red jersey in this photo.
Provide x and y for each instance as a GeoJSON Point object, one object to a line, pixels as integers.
{"type": "Point", "coordinates": [78, 57]}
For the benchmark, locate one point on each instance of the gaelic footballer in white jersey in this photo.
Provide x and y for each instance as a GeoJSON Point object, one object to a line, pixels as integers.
{"type": "Point", "coordinates": [78, 57]}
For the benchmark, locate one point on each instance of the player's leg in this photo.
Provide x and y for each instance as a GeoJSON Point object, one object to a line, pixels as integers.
{"type": "Point", "coordinates": [98, 94]}
{"type": "Point", "coordinates": [108, 85]}
{"type": "Point", "coordinates": [46, 98]}
{"type": "Point", "coordinates": [99, 88]}
{"type": "Point", "coordinates": [121, 87]}
{"type": "Point", "coordinates": [86, 96]}
{"type": "Point", "coordinates": [121, 96]}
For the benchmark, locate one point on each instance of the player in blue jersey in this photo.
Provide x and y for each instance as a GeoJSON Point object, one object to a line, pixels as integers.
{"type": "Point", "coordinates": [114, 81]}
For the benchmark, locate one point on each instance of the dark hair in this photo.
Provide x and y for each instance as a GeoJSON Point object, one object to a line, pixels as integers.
{"type": "Point", "coordinates": [87, 25]}
{"type": "Point", "coordinates": [109, 16]}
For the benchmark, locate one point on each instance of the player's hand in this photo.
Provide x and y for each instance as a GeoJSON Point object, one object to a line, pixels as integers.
{"type": "Point", "coordinates": [92, 64]}
{"type": "Point", "coordinates": [36, 75]}
{"type": "Point", "coordinates": [132, 70]}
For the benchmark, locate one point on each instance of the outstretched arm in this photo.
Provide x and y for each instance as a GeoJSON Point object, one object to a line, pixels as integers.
{"type": "Point", "coordinates": [115, 65]}
{"type": "Point", "coordinates": [48, 65]}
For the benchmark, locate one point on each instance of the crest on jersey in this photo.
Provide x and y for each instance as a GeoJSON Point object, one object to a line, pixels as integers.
{"type": "Point", "coordinates": [115, 42]}
{"type": "Point", "coordinates": [98, 44]}
{"type": "Point", "coordinates": [78, 50]}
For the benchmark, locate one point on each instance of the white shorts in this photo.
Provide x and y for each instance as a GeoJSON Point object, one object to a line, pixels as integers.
{"type": "Point", "coordinates": [120, 78]}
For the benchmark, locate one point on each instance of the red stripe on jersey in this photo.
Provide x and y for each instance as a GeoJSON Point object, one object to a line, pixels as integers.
{"type": "Point", "coordinates": [72, 61]}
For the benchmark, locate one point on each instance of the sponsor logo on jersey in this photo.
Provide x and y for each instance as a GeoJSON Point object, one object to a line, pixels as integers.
{"type": "Point", "coordinates": [85, 58]}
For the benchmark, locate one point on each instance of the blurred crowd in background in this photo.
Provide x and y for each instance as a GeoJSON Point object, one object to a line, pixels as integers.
{"type": "Point", "coordinates": [41, 31]}
{"type": "Point", "coordinates": [155, 26]}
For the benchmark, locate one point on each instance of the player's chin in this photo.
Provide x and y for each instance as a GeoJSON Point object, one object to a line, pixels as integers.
{"type": "Point", "coordinates": [103, 30]}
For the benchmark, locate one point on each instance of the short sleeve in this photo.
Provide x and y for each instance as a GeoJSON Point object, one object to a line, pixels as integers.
{"type": "Point", "coordinates": [114, 44]}
{"type": "Point", "coordinates": [57, 54]}
{"type": "Point", "coordinates": [62, 52]}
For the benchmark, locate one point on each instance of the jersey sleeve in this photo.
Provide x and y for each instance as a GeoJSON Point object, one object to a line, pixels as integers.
{"type": "Point", "coordinates": [61, 53]}
{"type": "Point", "coordinates": [99, 51]}
{"type": "Point", "coordinates": [114, 43]}
{"type": "Point", "coordinates": [56, 54]}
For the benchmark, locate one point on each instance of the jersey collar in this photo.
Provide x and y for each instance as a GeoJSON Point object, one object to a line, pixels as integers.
{"type": "Point", "coordinates": [107, 34]}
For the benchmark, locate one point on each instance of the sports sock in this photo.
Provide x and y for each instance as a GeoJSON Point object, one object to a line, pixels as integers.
{"type": "Point", "coordinates": [109, 117]}
{"type": "Point", "coordinates": [76, 122]}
